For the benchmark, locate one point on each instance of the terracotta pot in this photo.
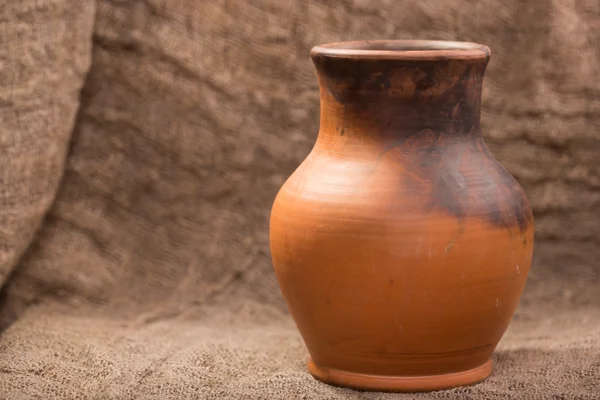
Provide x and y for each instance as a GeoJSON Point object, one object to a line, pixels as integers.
{"type": "Point", "coordinates": [400, 244]}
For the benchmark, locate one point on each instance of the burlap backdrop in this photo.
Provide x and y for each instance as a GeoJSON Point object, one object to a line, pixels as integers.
{"type": "Point", "coordinates": [144, 141]}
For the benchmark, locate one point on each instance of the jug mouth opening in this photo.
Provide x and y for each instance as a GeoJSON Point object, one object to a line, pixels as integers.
{"type": "Point", "coordinates": [403, 50]}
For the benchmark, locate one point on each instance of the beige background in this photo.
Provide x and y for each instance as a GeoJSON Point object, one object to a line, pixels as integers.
{"type": "Point", "coordinates": [144, 141]}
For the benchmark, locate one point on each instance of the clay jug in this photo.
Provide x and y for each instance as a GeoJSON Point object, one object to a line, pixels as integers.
{"type": "Point", "coordinates": [400, 244]}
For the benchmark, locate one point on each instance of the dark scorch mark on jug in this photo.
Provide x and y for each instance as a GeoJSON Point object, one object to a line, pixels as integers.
{"type": "Point", "coordinates": [356, 84]}
{"type": "Point", "coordinates": [509, 191]}
{"type": "Point", "coordinates": [488, 191]}
{"type": "Point", "coordinates": [434, 124]}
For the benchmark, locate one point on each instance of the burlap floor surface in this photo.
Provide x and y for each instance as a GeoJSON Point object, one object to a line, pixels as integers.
{"type": "Point", "coordinates": [144, 141]}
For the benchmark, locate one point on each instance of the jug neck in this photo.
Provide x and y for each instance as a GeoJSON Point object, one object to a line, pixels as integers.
{"type": "Point", "coordinates": [391, 91]}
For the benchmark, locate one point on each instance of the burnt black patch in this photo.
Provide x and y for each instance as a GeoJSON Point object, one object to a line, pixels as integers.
{"type": "Point", "coordinates": [354, 83]}
{"type": "Point", "coordinates": [429, 111]}
{"type": "Point", "coordinates": [478, 187]}
{"type": "Point", "coordinates": [508, 203]}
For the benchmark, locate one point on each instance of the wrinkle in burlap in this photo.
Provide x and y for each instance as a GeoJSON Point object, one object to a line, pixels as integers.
{"type": "Point", "coordinates": [144, 141]}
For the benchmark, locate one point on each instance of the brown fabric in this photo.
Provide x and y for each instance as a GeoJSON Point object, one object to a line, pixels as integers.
{"type": "Point", "coordinates": [150, 275]}
{"type": "Point", "coordinates": [44, 54]}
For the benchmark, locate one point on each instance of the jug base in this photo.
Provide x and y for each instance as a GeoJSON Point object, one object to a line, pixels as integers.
{"type": "Point", "coordinates": [387, 383]}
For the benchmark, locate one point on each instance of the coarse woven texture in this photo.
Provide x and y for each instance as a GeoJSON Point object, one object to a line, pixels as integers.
{"type": "Point", "coordinates": [144, 141]}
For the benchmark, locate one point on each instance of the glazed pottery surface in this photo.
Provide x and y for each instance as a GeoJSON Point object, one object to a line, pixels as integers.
{"type": "Point", "coordinates": [400, 244]}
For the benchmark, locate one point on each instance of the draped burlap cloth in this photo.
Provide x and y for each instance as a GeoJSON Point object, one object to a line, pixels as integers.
{"type": "Point", "coordinates": [144, 141]}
